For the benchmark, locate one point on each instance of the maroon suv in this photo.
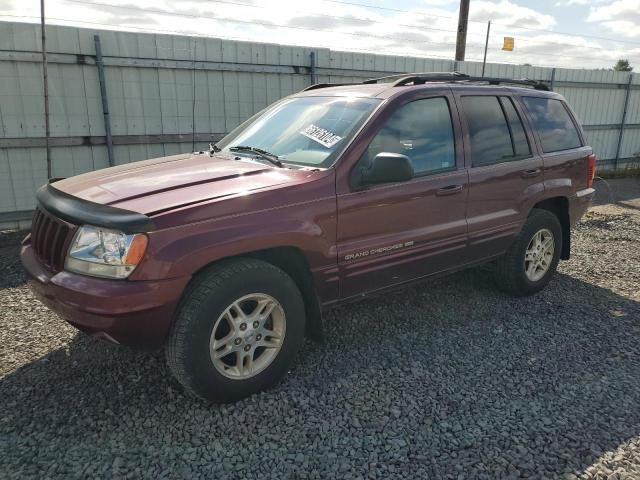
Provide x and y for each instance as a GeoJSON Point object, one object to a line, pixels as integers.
{"type": "Point", "coordinates": [227, 258]}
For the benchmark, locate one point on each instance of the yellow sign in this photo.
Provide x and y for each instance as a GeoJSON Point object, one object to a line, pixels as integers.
{"type": "Point", "coordinates": [508, 44]}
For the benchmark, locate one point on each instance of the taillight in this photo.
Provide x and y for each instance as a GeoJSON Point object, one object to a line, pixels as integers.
{"type": "Point", "coordinates": [591, 169]}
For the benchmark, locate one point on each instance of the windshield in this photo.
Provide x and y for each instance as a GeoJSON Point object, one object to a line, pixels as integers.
{"type": "Point", "coordinates": [308, 131]}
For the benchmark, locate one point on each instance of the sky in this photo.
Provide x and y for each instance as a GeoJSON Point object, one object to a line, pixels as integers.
{"type": "Point", "coordinates": [561, 33]}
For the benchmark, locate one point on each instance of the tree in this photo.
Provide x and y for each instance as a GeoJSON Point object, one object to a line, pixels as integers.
{"type": "Point", "coordinates": [622, 65]}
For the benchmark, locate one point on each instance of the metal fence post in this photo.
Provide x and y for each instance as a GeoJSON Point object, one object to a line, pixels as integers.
{"type": "Point", "coordinates": [193, 100]}
{"type": "Point", "coordinates": [105, 102]}
{"type": "Point", "coordinates": [45, 82]}
{"type": "Point", "coordinates": [553, 78]}
{"type": "Point", "coordinates": [624, 118]}
{"type": "Point", "coordinates": [313, 67]}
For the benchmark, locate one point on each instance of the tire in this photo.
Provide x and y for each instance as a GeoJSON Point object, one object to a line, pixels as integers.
{"type": "Point", "coordinates": [225, 296]}
{"type": "Point", "coordinates": [511, 269]}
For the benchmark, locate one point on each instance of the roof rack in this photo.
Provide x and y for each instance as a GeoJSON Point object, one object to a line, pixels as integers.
{"type": "Point", "coordinates": [316, 86]}
{"type": "Point", "coordinates": [422, 78]}
{"type": "Point", "coordinates": [418, 78]}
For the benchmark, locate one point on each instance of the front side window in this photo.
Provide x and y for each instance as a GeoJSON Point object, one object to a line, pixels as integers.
{"type": "Point", "coordinates": [308, 131]}
{"type": "Point", "coordinates": [555, 127]}
{"type": "Point", "coordinates": [495, 130]}
{"type": "Point", "coordinates": [421, 130]}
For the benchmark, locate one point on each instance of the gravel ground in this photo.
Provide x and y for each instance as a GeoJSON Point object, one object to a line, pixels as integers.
{"type": "Point", "coordinates": [445, 379]}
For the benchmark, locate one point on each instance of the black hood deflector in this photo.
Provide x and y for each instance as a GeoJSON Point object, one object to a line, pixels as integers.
{"type": "Point", "coordinates": [80, 212]}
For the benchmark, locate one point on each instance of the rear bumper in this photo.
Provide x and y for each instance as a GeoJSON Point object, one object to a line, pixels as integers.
{"type": "Point", "coordinates": [135, 313]}
{"type": "Point", "coordinates": [579, 204]}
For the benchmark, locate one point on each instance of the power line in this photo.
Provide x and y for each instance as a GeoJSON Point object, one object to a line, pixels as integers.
{"type": "Point", "coordinates": [398, 10]}
{"type": "Point", "coordinates": [375, 7]}
{"type": "Point", "coordinates": [251, 22]}
{"type": "Point", "coordinates": [317, 14]}
{"type": "Point", "coordinates": [218, 37]}
{"type": "Point", "coordinates": [352, 18]}
{"type": "Point", "coordinates": [484, 22]}
{"type": "Point", "coordinates": [187, 33]}
{"type": "Point", "coordinates": [413, 44]}
{"type": "Point", "coordinates": [178, 14]}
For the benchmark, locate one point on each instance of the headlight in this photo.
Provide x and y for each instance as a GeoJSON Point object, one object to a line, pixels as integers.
{"type": "Point", "coordinates": [105, 253]}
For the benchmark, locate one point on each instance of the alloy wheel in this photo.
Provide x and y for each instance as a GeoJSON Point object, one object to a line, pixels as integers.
{"type": "Point", "coordinates": [539, 254]}
{"type": "Point", "coordinates": [247, 336]}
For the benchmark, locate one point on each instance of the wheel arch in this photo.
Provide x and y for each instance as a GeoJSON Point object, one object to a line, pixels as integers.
{"type": "Point", "coordinates": [293, 262]}
{"type": "Point", "coordinates": [559, 206]}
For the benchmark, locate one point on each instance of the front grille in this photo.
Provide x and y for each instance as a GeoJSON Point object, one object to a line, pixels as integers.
{"type": "Point", "coordinates": [50, 238]}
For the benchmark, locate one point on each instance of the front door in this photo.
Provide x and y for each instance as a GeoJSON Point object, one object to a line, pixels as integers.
{"type": "Point", "coordinates": [396, 232]}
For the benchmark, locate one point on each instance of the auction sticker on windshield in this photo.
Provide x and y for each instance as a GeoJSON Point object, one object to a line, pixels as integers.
{"type": "Point", "coordinates": [320, 135]}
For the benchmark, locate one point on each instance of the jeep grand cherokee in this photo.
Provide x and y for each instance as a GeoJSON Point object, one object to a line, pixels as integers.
{"type": "Point", "coordinates": [226, 258]}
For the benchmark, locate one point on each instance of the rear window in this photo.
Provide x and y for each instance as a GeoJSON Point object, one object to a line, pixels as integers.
{"type": "Point", "coordinates": [495, 130]}
{"type": "Point", "coordinates": [555, 127]}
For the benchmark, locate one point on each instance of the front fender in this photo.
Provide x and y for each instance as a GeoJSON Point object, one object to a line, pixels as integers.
{"type": "Point", "coordinates": [309, 227]}
{"type": "Point", "coordinates": [187, 255]}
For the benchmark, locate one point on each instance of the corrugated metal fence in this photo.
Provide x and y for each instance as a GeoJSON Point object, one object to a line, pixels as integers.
{"type": "Point", "coordinates": [151, 81]}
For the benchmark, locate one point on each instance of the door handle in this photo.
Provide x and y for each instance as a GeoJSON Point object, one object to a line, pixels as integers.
{"type": "Point", "coordinates": [449, 190]}
{"type": "Point", "coordinates": [534, 172]}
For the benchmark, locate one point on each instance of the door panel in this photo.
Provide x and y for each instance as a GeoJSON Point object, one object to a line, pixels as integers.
{"type": "Point", "coordinates": [500, 197]}
{"type": "Point", "coordinates": [505, 172]}
{"type": "Point", "coordinates": [395, 233]}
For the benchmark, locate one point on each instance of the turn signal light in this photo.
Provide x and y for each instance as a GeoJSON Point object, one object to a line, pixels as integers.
{"type": "Point", "coordinates": [136, 249]}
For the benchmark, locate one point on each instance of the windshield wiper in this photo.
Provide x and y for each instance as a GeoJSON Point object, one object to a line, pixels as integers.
{"type": "Point", "coordinates": [261, 153]}
{"type": "Point", "coordinates": [213, 148]}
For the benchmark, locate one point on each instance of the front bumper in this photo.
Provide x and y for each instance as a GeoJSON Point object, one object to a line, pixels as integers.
{"type": "Point", "coordinates": [134, 313]}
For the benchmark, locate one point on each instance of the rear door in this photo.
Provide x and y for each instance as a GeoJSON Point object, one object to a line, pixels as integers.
{"type": "Point", "coordinates": [396, 232]}
{"type": "Point", "coordinates": [564, 156]}
{"type": "Point", "coordinates": [505, 171]}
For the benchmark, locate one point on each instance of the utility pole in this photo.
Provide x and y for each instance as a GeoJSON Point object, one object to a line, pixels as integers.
{"type": "Point", "coordinates": [486, 45]}
{"type": "Point", "coordinates": [45, 81]}
{"type": "Point", "coordinates": [463, 20]}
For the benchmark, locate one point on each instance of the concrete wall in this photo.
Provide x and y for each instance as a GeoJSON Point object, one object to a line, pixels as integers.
{"type": "Point", "coordinates": [150, 86]}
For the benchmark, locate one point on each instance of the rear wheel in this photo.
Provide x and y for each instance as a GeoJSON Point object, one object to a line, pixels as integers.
{"type": "Point", "coordinates": [533, 257]}
{"type": "Point", "coordinates": [237, 330]}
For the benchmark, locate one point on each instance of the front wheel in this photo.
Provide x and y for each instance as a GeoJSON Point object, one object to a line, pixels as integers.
{"type": "Point", "coordinates": [237, 330]}
{"type": "Point", "coordinates": [533, 257]}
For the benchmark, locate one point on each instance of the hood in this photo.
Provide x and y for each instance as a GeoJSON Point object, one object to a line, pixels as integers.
{"type": "Point", "coordinates": [161, 184]}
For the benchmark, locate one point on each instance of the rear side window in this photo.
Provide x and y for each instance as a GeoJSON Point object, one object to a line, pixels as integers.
{"type": "Point", "coordinates": [555, 127]}
{"type": "Point", "coordinates": [421, 130]}
{"type": "Point", "coordinates": [519, 138]}
{"type": "Point", "coordinates": [495, 130]}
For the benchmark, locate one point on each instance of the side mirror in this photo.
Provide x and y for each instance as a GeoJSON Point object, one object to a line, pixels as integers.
{"type": "Point", "coordinates": [387, 168]}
